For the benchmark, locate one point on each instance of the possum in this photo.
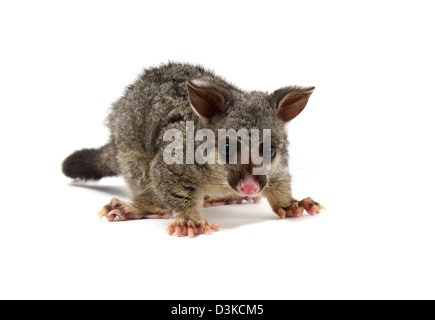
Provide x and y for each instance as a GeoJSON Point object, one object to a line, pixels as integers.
{"type": "Point", "coordinates": [167, 98]}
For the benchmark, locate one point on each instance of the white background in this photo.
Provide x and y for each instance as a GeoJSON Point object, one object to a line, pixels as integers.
{"type": "Point", "coordinates": [363, 147]}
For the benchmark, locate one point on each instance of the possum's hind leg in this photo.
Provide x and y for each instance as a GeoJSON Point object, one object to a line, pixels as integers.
{"type": "Point", "coordinates": [127, 211]}
{"type": "Point", "coordinates": [145, 206]}
{"type": "Point", "coordinates": [218, 201]}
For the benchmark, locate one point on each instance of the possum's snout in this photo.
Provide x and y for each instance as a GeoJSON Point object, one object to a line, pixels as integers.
{"type": "Point", "coordinates": [248, 186]}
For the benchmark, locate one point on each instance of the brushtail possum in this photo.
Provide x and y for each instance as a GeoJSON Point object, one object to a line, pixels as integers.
{"type": "Point", "coordinates": [169, 97]}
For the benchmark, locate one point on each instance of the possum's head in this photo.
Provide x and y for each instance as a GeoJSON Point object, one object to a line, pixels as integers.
{"type": "Point", "coordinates": [249, 127]}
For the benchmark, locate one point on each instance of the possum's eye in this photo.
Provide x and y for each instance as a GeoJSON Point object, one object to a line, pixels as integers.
{"type": "Point", "coordinates": [227, 151]}
{"type": "Point", "coordinates": [268, 153]}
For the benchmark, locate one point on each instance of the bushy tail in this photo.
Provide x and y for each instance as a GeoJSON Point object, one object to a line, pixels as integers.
{"type": "Point", "coordinates": [92, 164]}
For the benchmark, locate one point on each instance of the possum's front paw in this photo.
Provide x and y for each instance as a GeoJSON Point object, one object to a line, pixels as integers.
{"type": "Point", "coordinates": [296, 208]}
{"type": "Point", "coordinates": [181, 227]}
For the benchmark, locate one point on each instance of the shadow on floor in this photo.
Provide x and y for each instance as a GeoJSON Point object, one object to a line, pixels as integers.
{"type": "Point", "coordinates": [114, 191]}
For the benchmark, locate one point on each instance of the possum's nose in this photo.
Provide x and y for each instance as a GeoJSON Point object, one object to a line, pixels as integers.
{"type": "Point", "coordinates": [248, 186]}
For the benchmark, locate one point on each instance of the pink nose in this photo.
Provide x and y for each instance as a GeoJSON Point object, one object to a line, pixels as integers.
{"type": "Point", "coordinates": [248, 188]}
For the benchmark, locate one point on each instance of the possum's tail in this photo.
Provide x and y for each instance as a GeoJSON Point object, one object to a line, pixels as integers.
{"type": "Point", "coordinates": [92, 164]}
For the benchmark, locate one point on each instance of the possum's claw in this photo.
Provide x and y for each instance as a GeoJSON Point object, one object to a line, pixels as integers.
{"type": "Point", "coordinates": [296, 208]}
{"type": "Point", "coordinates": [190, 228]}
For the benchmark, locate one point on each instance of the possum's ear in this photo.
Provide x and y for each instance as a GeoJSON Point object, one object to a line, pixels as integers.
{"type": "Point", "coordinates": [206, 102]}
{"type": "Point", "coordinates": [290, 101]}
